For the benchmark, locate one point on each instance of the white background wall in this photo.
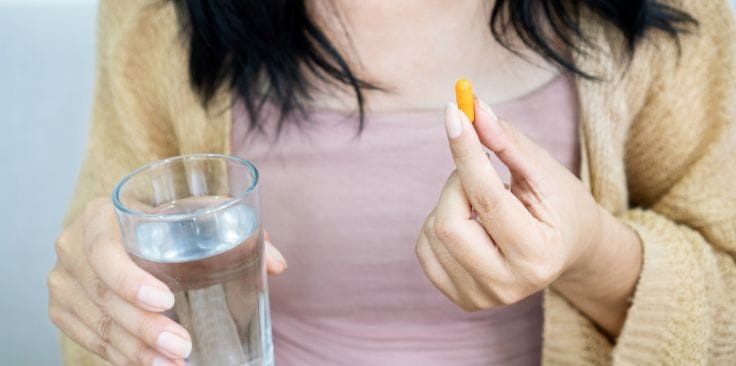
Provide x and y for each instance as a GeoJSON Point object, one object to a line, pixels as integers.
{"type": "Point", "coordinates": [46, 76]}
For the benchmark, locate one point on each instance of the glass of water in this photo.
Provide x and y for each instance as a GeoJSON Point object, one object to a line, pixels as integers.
{"type": "Point", "coordinates": [194, 222]}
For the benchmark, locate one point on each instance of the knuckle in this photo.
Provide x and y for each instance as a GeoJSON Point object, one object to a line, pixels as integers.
{"type": "Point", "coordinates": [101, 348]}
{"type": "Point", "coordinates": [480, 298]}
{"type": "Point", "coordinates": [142, 353]}
{"type": "Point", "coordinates": [55, 315]}
{"type": "Point", "coordinates": [540, 272]}
{"type": "Point", "coordinates": [122, 281]}
{"type": "Point", "coordinates": [516, 137]}
{"type": "Point", "coordinates": [428, 228]}
{"type": "Point", "coordinates": [462, 152]}
{"type": "Point", "coordinates": [100, 292]}
{"type": "Point", "coordinates": [509, 296]}
{"type": "Point", "coordinates": [103, 326]}
{"type": "Point", "coordinates": [422, 247]}
{"type": "Point", "coordinates": [91, 249]}
{"type": "Point", "coordinates": [54, 281]}
{"type": "Point", "coordinates": [486, 201]}
{"type": "Point", "coordinates": [82, 312]}
{"type": "Point", "coordinates": [445, 230]}
{"type": "Point", "coordinates": [61, 245]}
{"type": "Point", "coordinates": [470, 306]}
{"type": "Point", "coordinates": [119, 360]}
{"type": "Point", "coordinates": [146, 327]}
{"type": "Point", "coordinates": [418, 247]}
{"type": "Point", "coordinates": [541, 275]}
{"type": "Point", "coordinates": [482, 303]}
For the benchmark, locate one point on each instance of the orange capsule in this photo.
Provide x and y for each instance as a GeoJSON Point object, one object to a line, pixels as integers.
{"type": "Point", "coordinates": [464, 97]}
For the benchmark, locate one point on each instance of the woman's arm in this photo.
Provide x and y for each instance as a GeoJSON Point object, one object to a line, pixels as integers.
{"type": "Point", "coordinates": [680, 176]}
{"type": "Point", "coordinates": [130, 124]}
{"type": "Point", "coordinates": [603, 283]}
{"type": "Point", "coordinates": [681, 173]}
{"type": "Point", "coordinates": [129, 127]}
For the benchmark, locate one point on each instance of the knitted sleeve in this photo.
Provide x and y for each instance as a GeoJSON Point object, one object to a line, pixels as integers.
{"type": "Point", "coordinates": [128, 128]}
{"type": "Point", "coordinates": [681, 176]}
{"type": "Point", "coordinates": [681, 169]}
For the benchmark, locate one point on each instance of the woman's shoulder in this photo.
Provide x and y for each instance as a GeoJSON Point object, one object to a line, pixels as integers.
{"type": "Point", "coordinates": [699, 40]}
{"type": "Point", "coordinates": [686, 88]}
{"type": "Point", "coordinates": [144, 55]}
{"type": "Point", "coordinates": [712, 20]}
{"type": "Point", "coordinates": [712, 7]}
{"type": "Point", "coordinates": [138, 29]}
{"type": "Point", "coordinates": [694, 22]}
{"type": "Point", "coordinates": [143, 69]}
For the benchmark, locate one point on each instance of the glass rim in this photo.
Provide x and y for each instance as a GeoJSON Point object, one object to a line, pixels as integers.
{"type": "Point", "coordinates": [180, 216]}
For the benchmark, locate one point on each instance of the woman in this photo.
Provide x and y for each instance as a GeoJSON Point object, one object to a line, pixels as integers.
{"type": "Point", "coordinates": [633, 257]}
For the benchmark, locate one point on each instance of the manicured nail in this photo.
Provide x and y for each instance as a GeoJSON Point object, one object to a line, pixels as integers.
{"type": "Point", "coordinates": [175, 345]}
{"type": "Point", "coordinates": [485, 108]}
{"type": "Point", "coordinates": [273, 252]}
{"type": "Point", "coordinates": [161, 361]}
{"type": "Point", "coordinates": [156, 297]}
{"type": "Point", "coordinates": [452, 121]}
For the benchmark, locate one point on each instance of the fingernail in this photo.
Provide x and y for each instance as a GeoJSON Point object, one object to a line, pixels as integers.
{"type": "Point", "coordinates": [161, 361]}
{"type": "Point", "coordinates": [273, 252]}
{"type": "Point", "coordinates": [156, 297]}
{"type": "Point", "coordinates": [452, 121]}
{"type": "Point", "coordinates": [485, 108]}
{"type": "Point", "coordinates": [174, 344]}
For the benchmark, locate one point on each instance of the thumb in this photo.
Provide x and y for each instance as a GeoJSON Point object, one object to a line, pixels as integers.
{"type": "Point", "coordinates": [514, 149]}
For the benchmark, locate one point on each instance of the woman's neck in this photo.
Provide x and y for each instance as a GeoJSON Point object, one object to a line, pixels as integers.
{"type": "Point", "coordinates": [416, 49]}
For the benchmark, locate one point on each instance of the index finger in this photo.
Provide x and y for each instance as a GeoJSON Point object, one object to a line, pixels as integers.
{"type": "Point", "coordinates": [481, 183]}
{"type": "Point", "coordinates": [117, 271]}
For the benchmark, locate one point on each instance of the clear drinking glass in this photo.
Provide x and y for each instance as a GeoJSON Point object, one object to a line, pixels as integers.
{"type": "Point", "coordinates": [194, 222]}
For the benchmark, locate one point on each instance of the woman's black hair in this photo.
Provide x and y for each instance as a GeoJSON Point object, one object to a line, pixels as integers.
{"type": "Point", "coordinates": [262, 50]}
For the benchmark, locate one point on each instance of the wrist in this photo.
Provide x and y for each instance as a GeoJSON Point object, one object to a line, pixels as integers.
{"type": "Point", "coordinates": [603, 279]}
{"type": "Point", "coordinates": [591, 247]}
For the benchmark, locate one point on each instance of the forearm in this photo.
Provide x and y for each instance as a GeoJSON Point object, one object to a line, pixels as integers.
{"type": "Point", "coordinates": [605, 278]}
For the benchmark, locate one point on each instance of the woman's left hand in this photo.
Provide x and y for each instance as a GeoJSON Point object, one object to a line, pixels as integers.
{"type": "Point", "coordinates": [485, 245]}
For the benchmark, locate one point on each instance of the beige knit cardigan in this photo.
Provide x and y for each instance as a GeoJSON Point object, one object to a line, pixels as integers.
{"type": "Point", "coordinates": [658, 144]}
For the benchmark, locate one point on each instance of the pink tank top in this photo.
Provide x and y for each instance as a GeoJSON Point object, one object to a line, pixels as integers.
{"type": "Point", "coordinates": [346, 210]}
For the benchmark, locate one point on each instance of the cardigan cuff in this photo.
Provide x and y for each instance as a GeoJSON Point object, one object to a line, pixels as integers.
{"type": "Point", "coordinates": [669, 308]}
{"type": "Point", "coordinates": [570, 338]}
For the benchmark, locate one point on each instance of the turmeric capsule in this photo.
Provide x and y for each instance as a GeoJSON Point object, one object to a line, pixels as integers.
{"type": "Point", "coordinates": [464, 97]}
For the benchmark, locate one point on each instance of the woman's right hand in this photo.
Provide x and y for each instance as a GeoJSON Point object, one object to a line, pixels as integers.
{"type": "Point", "coordinates": [110, 306]}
